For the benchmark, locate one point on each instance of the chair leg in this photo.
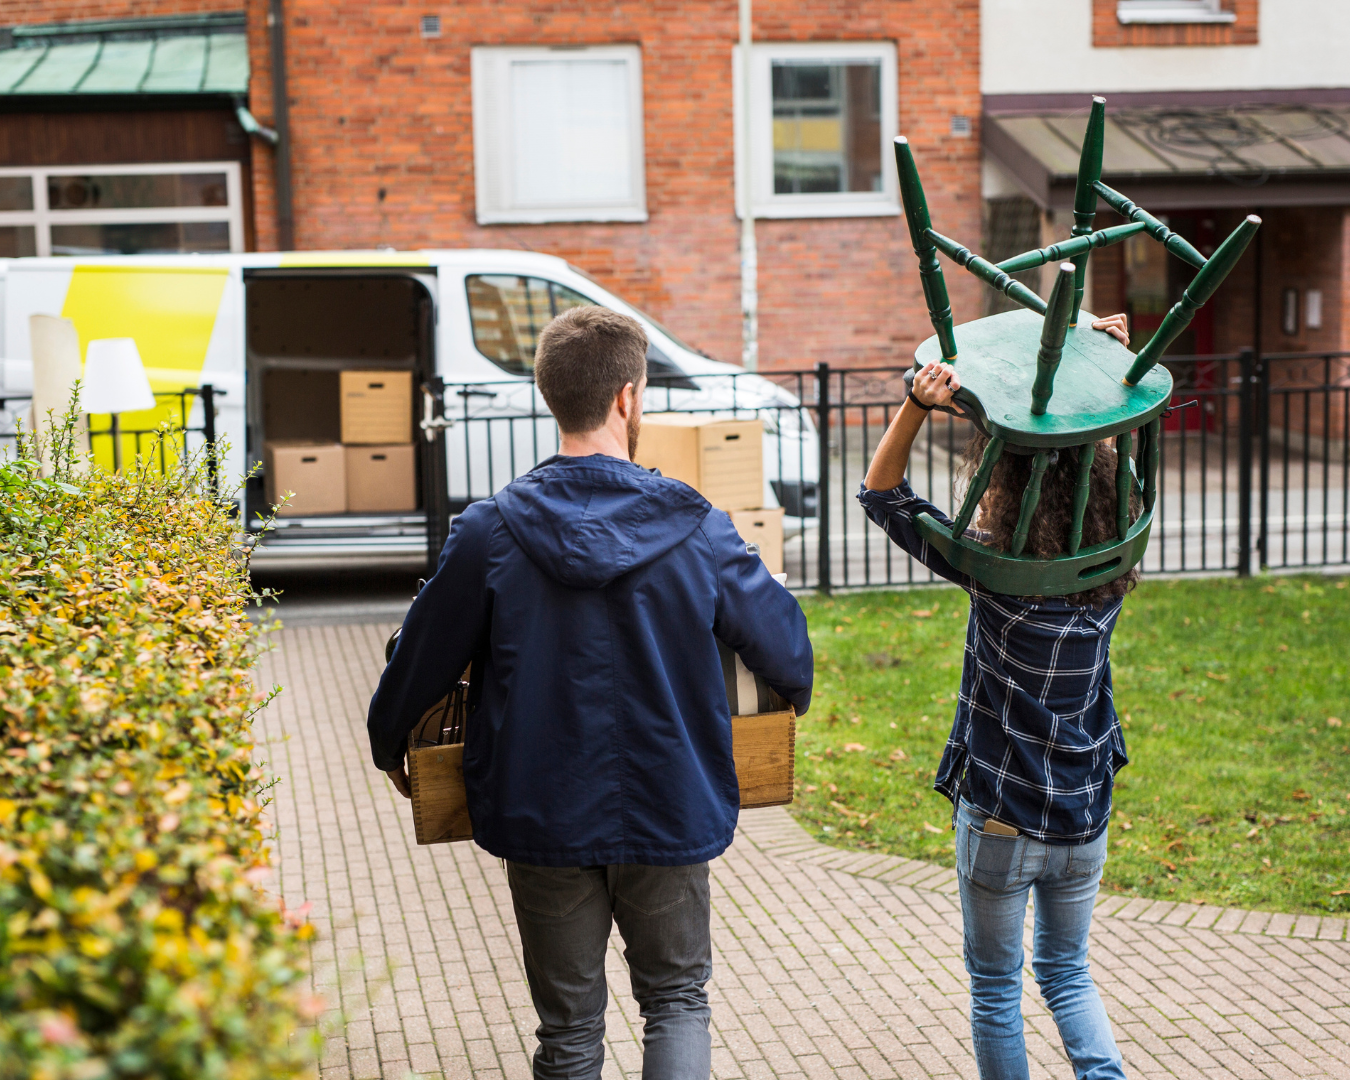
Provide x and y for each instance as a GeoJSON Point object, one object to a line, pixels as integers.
{"type": "Point", "coordinates": [1085, 195]}
{"type": "Point", "coordinates": [930, 270]}
{"type": "Point", "coordinates": [1086, 454]}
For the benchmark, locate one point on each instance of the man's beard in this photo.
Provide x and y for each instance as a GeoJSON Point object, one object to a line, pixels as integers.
{"type": "Point", "coordinates": [634, 428]}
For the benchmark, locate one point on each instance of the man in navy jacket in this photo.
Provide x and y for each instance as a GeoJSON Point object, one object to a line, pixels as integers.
{"type": "Point", "coordinates": [589, 595]}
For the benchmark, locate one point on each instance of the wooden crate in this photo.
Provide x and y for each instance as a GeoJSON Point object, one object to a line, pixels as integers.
{"type": "Point", "coordinates": [765, 748]}
{"type": "Point", "coordinates": [763, 744]}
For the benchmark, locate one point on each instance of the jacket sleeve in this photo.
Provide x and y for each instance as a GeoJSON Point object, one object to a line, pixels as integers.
{"type": "Point", "coordinates": [757, 617]}
{"type": "Point", "coordinates": [445, 627]}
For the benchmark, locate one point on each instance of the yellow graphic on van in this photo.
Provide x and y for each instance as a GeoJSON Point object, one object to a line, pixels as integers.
{"type": "Point", "coordinates": [170, 312]}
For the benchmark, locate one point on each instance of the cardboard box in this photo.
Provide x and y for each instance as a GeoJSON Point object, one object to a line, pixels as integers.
{"type": "Point", "coordinates": [376, 407]}
{"type": "Point", "coordinates": [381, 479]}
{"type": "Point", "coordinates": [316, 472]}
{"type": "Point", "coordinates": [765, 528]}
{"type": "Point", "coordinates": [721, 459]}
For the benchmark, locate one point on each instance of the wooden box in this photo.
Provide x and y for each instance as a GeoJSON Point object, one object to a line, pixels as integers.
{"type": "Point", "coordinates": [723, 460]}
{"type": "Point", "coordinates": [376, 407]}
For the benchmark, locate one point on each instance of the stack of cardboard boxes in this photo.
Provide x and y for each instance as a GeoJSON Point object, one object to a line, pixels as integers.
{"type": "Point", "coordinates": [370, 471]}
{"type": "Point", "coordinates": [723, 460]}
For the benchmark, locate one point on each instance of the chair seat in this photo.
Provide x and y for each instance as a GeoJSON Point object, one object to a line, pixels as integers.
{"type": "Point", "coordinates": [996, 359]}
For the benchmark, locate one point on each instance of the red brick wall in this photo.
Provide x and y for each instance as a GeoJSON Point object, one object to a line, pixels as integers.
{"type": "Point", "coordinates": [374, 105]}
{"type": "Point", "coordinates": [20, 12]}
{"type": "Point", "coordinates": [1108, 30]}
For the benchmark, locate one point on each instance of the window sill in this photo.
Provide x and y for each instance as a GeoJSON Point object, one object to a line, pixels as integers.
{"type": "Point", "coordinates": [782, 210]}
{"type": "Point", "coordinates": [561, 214]}
{"type": "Point", "coordinates": [1172, 16]}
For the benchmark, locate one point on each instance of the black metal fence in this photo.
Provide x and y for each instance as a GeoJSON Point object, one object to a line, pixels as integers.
{"type": "Point", "coordinates": [1254, 470]}
{"type": "Point", "coordinates": [112, 442]}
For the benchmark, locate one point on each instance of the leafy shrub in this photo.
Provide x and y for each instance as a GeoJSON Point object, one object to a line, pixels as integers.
{"type": "Point", "coordinates": [134, 940]}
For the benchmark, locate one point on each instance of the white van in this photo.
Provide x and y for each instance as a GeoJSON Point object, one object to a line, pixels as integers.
{"type": "Point", "coordinates": [270, 333]}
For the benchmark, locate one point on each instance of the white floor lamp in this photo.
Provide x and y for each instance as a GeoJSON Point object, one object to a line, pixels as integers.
{"type": "Point", "coordinates": [114, 383]}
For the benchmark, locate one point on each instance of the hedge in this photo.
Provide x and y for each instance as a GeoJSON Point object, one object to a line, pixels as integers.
{"type": "Point", "coordinates": [134, 938]}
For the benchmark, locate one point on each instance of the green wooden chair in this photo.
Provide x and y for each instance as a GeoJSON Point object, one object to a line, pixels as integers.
{"type": "Point", "coordinates": [1010, 364]}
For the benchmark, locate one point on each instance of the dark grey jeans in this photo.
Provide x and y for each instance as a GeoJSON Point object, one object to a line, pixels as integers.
{"type": "Point", "coordinates": [565, 915]}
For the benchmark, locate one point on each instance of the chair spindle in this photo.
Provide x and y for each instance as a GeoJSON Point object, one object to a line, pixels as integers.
{"type": "Point", "coordinates": [1154, 430]}
{"type": "Point", "coordinates": [930, 270]}
{"type": "Point", "coordinates": [1031, 498]}
{"type": "Point", "coordinates": [1086, 454]}
{"type": "Point", "coordinates": [1156, 229]}
{"type": "Point", "coordinates": [1067, 249]}
{"type": "Point", "coordinates": [1123, 480]}
{"type": "Point", "coordinates": [986, 271]}
{"type": "Point", "coordinates": [979, 484]}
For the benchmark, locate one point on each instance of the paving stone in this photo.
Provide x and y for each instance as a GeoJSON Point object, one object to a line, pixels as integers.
{"type": "Point", "coordinates": [827, 963]}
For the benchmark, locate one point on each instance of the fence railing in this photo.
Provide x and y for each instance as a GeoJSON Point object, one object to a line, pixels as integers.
{"type": "Point", "coordinates": [1254, 462]}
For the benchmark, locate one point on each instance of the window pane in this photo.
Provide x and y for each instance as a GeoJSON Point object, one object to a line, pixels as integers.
{"type": "Point", "coordinates": [826, 127]}
{"type": "Point", "coordinates": [108, 192]}
{"type": "Point", "coordinates": [507, 313]}
{"type": "Point", "coordinates": [570, 143]}
{"type": "Point", "coordinates": [16, 193]}
{"type": "Point", "coordinates": [17, 241]}
{"type": "Point", "coordinates": [141, 239]}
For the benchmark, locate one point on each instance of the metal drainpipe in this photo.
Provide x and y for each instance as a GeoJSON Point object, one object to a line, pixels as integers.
{"type": "Point", "coordinates": [749, 250]}
{"type": "Point", "coordinates": [281, 116]}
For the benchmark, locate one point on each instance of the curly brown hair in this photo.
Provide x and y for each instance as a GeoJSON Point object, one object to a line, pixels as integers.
{"type": "Point", "coordinates": [1050, 525]}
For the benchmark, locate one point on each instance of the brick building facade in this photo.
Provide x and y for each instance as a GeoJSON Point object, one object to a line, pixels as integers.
{"type": "Point", "coordinates": [381, 117]}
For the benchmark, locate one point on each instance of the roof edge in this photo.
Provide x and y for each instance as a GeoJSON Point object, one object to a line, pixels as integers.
{"type": "Point", "coordinates": [64, 32]}
{"type": "Point", "coordinates": [1005, 104]}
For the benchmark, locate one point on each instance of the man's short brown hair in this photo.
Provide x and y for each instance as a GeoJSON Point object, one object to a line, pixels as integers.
{"type": "Point", "coordinates": [584, 358]}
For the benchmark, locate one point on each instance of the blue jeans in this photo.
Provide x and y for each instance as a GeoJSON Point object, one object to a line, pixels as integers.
{"type": "Point", "coordinates": [995, 874]}
{"type": "Point", "coordinates": [565, 914]}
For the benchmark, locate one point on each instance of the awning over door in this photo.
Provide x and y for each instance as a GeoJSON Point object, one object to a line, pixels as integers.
{"type": "Point", "coordinates": [1196, 156]}
{"type": "Point", "coordinates": [190, 54]}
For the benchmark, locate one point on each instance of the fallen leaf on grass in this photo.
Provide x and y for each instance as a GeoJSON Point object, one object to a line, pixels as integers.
{"type": "Point", "coordinates": [899, 755]}
{"type": "Point", "coordinates": [1256, 831]}
{"type": "Point", "coordinates": [1217, 676]}
{"type": "Point", "coordinates": [1176, 694]}
{"type": "Point", "coordinates": [931, 828]}
{"type": "Point", "coordinates": [924, 613]}
{"type": "Point", "coordinates": [1299, 795]}
{"type": "Point", "coordinates": [1333, 721]}
{"type": "Point", "coordinates": [1341, 892]}
{"type": "Point", "coordinates": [853, 747]}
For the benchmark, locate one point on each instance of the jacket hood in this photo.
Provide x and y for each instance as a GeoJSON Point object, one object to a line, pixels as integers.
{"type": "Point", "coordinates": [585, 521]}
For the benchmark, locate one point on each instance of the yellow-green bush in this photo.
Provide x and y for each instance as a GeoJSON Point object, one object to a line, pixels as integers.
{"type": "Point", "coordinates": [134, 940]}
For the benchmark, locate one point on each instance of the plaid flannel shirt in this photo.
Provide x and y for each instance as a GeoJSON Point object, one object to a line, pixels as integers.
{"type": "Point", "coordinates": [1036, 741]}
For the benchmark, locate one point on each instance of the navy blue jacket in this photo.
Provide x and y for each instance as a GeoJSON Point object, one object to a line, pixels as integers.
{"type": "Point", "coordinates": [588, 594]}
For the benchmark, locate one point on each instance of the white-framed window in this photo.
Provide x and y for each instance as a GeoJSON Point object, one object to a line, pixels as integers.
{"type": "Point", "coordinates": [1173, 11]}
{"type": "Point", "coordinates": [121, 209]}
{"type": "Point", "coordinates": [557, 134]}
{"type": "Point", "coordinates": [822, 119]}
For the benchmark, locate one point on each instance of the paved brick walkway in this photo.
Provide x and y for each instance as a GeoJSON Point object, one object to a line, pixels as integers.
{"type": "Point", "coordinates": [827, 963]}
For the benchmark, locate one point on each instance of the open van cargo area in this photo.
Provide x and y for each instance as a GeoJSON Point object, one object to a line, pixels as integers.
{"type": "Point", "coordinates": [335, 361]}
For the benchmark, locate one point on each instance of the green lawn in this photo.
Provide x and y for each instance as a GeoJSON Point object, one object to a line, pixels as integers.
{"type": "Point", "coordinates": [1236, 705]}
